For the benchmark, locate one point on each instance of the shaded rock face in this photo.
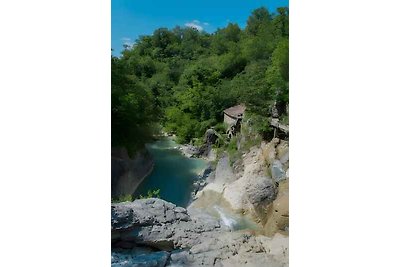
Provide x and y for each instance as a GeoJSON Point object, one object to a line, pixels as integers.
{"type": "Point", "coordinates": [127, 173]}
{"type": "Point", "coordinates": [202, 179]}
{"type": "Point", "coordinates": [210, 138]}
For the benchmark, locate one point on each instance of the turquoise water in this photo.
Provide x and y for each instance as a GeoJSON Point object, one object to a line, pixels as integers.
{"type": "Point", "coordinates": [173, 173]}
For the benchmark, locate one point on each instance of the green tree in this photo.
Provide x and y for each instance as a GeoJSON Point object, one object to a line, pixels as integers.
{"type": "Point", "coordinates": [183, 78]}
{"type": "Point", "coordinates": [259, 18]}
{"type": "Point", "coordinates": [277, 75]}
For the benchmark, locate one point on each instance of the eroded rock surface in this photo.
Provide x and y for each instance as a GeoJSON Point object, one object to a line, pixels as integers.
{"type": "Point", "coordinates": [159, 224]}
{"type": "Point", "coordinates": [174, 238]}
{"type": "Point", "coordinates": [255, 184]}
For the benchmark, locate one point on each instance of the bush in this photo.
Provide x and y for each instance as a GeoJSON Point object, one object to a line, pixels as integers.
{"type": "Point", "coordinates": [151, 193]}
{"type": "Point", "coordinates": [124, 198]}
{"type": "Point", "coordinates": [129, 198]}
{"type": "Point", "coordinates": [232, 149]}
{"type": "Point", "coordinates": [220, 128]}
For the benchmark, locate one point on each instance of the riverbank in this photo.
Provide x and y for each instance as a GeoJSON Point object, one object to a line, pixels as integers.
{"type": "Point", "coordinates": [237, 214]}
{"type": "Point", "coordinates": [250, 193]}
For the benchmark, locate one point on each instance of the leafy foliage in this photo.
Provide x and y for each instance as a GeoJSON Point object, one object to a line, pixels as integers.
{"type": "Point", "coordinates": [129, 198]}
{"type": "Point", "coordinates": [124, 198]}
{"type": "Point", "coordinates": [184, 78]}
{"type": "Point", "coordinates": [151, 193]}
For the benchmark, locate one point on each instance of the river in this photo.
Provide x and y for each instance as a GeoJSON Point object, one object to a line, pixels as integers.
{"type": "Point", "coordinates": [173, 173]}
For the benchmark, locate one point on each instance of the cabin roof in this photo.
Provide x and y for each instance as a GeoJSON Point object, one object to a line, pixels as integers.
{"type": "Point", "coordinates": [235, 111]}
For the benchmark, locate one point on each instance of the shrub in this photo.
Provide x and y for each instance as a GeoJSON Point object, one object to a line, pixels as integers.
{"type": "Point", "coordinates": [124, 198]}
{"type": "Point", "coordinates": [151, 193]}
{"type": "Point", "coordinates": [129, 198]}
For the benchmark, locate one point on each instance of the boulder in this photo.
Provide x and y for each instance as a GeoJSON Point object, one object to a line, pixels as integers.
{"type": "Point", "coordinates": [143, 212]}
{"type": "Point", "coordinates": [248, 191]}
{"type": "Point", "coordinates": [210, 136]}
{"type": "Point", "coordinates": [261, 190]}
{"type": "Point", "coordinates": [179, 258]}
{"type": "Point", "coordinates": [159, 224]}
{"type": "Point", "coordinates": [190, 151]}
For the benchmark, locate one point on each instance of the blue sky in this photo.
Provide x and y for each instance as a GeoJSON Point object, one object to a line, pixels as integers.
{"type": "Point", "coordinates": [132, 18]}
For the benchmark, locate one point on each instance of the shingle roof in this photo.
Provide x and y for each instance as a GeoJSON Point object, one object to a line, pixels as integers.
{"type": "Point", "coordinates": [235, 111]}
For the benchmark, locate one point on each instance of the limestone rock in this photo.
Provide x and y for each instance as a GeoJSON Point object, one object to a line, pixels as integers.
{"type": "Point", "coordinates": [190, 151]}
{"type": "Point", "coordinates": [277, 248]}
{"type": "Point", "coordinates": [277, 214]}
{"type": "Point", "coordinates": [223, 175]}
{"type": "Point", "coordinates": [223, 171]}
{"type": "Point", "coordinates": [159, 224]}
{"type": "Point", "coordinates": [282, 150]}
{"type": "Point", "coordinates": [199, 239]}
{"type": "Point", "coordinates": [261, 190]}
{"type": "Point", "coordinates": [180, 258]}
{"type": "Point", "coordinates": [243, 194]}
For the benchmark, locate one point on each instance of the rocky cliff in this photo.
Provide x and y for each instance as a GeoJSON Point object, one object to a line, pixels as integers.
{"type": "Point", "coordinates": [127, 173]}
{"type": "Point", "coordinates": [256, 185]}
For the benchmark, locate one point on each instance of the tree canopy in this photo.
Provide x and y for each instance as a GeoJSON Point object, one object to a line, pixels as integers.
{"type": "Point", "coordinates": [183, 79]}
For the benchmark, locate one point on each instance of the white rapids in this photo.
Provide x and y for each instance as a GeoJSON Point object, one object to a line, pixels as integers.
{"type": "Point", "coordinates": [230, 222]}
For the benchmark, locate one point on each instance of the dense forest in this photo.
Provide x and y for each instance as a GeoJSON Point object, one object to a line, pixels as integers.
{"type": "Point", "coordinates": [181, 79]}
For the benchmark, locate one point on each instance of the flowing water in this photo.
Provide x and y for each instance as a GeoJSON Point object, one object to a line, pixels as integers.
{"type": "Point", "coordinates": [213, 204]}
{"type": "Point", "coordinates": [228, 221]}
